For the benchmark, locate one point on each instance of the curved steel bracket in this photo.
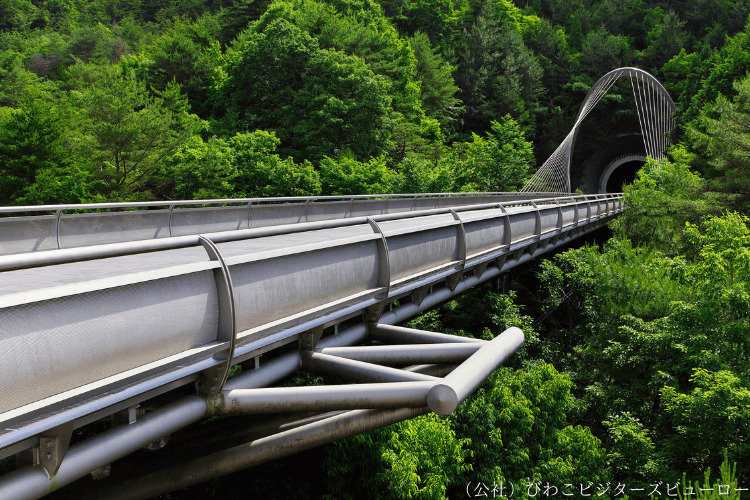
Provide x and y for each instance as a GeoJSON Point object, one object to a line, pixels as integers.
{"type": "Point", "coordinates": [507, 234]}
{"type": "Point", "coordinates": [453, 280]}
{"type": "Point", "coordinates": [58, 214]}
{"type": "Point", "coordinates": [372, 315]}
{"type": "Point", "coordinates": [559, 216]}
{"type": "Point", "coordinates": [213, 380]}
{"type": "Point", "coordinates": [171, 215]}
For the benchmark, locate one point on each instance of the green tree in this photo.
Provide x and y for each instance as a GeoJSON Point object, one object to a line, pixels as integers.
{"type": "Point", "coordinates": [15, 80]}
{"type": "Point", "coordinates": [374, 41]}
{"type": "Point", "coordinates": [187, 56]}
{"type": "Point", "coordinates": [16, 14]}
{"type": "Point", "coordinates": [342, 107]}
{"type": "Point", "coordinates": [631, 448]}
{"type": "Point", "coordinates": [417, 458]}
{"type": "Point", "coordinates": [418, 175]}
{"type": "Point", "coordinates": [349, 176]}
{"type": "Point", "coordinates": [683, 74]}
{"type": "Point", "coordinates": [499, 161]}
{"type": "Point", "coordinates": [96, 43]}
{"type": "Point", "coordinates": [200, 169]}
{"type": "Point", "coordinates": [722, 134]}
{"type": "Point", "coordinates": [318, 102]}
{"type": "Point", "coordinates": [662, 198]}
{"type": "Point", "coordinates": [435, 76]}
{"type": "Point", "coordinates": [235, 18]}
{"type": "Point", "coordinates": [128, 133]}
{"type": "Point", "coordinates": [723, 252]}
{"type": "Point", "coordinates": [423, 458]}
{"type": "Point", "coordinates": [261, 172]}
{"type": "Point", "coordinates": [603, 52]}
{"type": "Point", "coordinates": [620, 17]}
{"type": "Point", "coordinates": [726, 485]}
{"type": "Point", "coordinates": [442, 20]}
{"type": "Point", "coordinates": [361, 30]}
{"type": "Point", "coordinates": [726, 66]}
{"type": "Point", "coordinates": [34, 139]}
{"type": "Point", "coordinates": [714, 416]}
{"type": "Point", "coordinates": [519, 431]}
{"type": "Point", "coordinates": [497, 73]}
{"type": "Point", "coordinates": [666, 39]}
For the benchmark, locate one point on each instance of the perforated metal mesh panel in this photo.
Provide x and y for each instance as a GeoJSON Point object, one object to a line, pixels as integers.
{"type": "Point", "coordinates": [267, 291]}
{"type": "Point", "coordinates": [332, 209]}
{"type": "Point", "coordinates": [208, 220]}
{"type": "Point", "coordinates": [78, 230]}
{"type": "Point", "coordinates": [270, 215]}
{"type": "Point", "coordinates": [27, 234]}
{"type": "Point", "coordinates": [483, 235]}
{"type": "Point", "coordinates": [24, 280]}
{"type": "Point", "coordinates": [549, 218]}
{"type": "Point", "coordinates": [415, 252]}
{"type": "Point", "coordinates": [569, 215]}
{"type": "Point", "coordinates": [57, 345]}
{"type": "Point", "coordinates": [523, 225]}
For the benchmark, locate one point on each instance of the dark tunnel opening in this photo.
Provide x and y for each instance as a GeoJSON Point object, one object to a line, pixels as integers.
{"type": "Point", "coordinates": [624, 174]}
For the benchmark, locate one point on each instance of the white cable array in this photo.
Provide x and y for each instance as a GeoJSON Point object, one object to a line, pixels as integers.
{"type": "Point", "coordinates": [655, 110]}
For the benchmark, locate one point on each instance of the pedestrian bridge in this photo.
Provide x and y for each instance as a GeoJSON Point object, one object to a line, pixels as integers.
{"type": "Point", "coordinates": [124, 323]}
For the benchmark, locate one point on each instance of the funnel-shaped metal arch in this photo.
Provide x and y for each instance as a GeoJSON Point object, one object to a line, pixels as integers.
{"type": "Point", "coordinates": [655, 116]}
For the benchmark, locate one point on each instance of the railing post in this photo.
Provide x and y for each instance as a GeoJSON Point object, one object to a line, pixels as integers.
{"type": "Point", "coordinates": [507, 234]}
{"type": "Point", "coordinates": [559, 216]}
{"type": "Point", "coordinates": [58, 214]}
{"type": "Point", "coordinates": [213, 380]}
{"type": "Point", "coordinates": [575, 209]}
{"type": "Point", "coordinates": [384, 273]}
{"type": "Point", "coordinates": [249, 207]}
{"type": "Point", "coordinates": [171, 213]}
{"type": "Point", "coordinates": [453, 280]}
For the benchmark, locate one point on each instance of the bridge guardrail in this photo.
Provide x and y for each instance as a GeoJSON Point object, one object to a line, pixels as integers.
{"type": "Point", "coordinates": [150, 220]}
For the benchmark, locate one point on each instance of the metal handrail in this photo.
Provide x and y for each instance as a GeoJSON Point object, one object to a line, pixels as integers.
{"type": "Point", "coordinates": [56, 256]}
{"type": "Point", "coordinates": [277, 199]}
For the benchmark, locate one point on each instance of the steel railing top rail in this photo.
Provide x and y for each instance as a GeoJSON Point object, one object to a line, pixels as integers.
{"type": "Point", "coordinates": [279, 199]}
{"type": "Point", "coordinates": [66, 255]}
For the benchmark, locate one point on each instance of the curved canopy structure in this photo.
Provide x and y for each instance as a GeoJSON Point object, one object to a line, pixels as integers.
{"type": "Point", "coordinates": [655, 116]}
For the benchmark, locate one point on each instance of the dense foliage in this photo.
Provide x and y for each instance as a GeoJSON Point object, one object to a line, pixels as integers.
{"type": "Point", "coordinates": [635, 369]}
{"type": "Point", "coordinates": [103, 101]}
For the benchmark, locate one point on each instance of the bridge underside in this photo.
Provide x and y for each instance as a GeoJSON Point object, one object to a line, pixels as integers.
{"type": "Point", "coordinates": [143, 335]}
{"type": "Point", "coordinates": [423, 371]}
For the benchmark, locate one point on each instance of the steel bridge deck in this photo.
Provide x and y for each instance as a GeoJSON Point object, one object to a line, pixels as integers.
{"type": "Point", "coordinates": [91, 331]}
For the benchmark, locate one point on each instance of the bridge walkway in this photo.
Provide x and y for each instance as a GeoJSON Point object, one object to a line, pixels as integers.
{"type": "Point", "coordinates": [94, 330]}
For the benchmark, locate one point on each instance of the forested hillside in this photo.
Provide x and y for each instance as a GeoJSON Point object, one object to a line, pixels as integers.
{"type": "Point", "coordinates": [636, 369]}
{"type": "Point", "coordinates": [111, 100]}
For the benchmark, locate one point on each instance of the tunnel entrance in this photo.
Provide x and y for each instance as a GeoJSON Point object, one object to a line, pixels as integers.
{"type": "Point", "coordinates": [625, 174]}
{"type": "Point", "coordinates": [621, 170]}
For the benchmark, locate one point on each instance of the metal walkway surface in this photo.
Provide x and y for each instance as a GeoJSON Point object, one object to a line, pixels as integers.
{"type": "Point", "coordinates": [92, 330]}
